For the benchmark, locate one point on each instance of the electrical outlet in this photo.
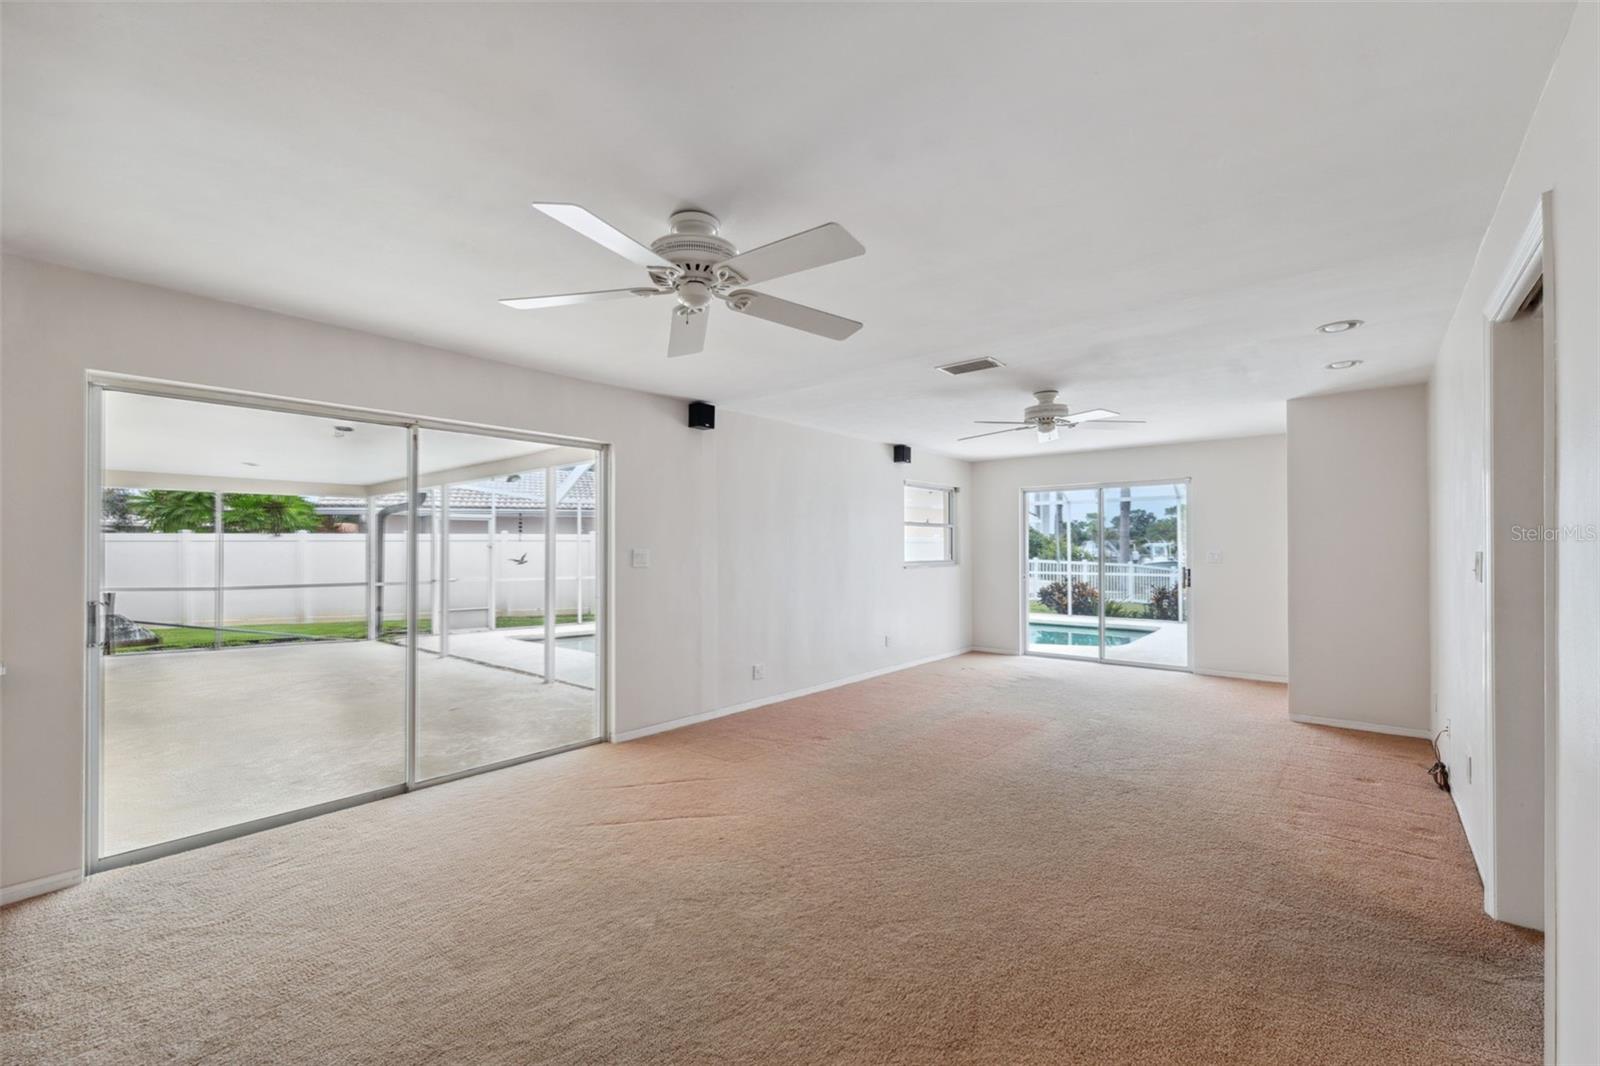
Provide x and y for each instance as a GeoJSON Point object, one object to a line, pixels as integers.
{"type": "Point", "coordinates": [640, 558]}
{"type": "Point", "coordinates": [758, 672]}
{"type": "Point", "coordinates": [1213, 557]}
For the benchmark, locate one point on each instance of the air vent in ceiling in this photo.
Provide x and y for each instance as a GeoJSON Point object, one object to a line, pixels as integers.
{"type": "Point", "coordinates": [971, 366]}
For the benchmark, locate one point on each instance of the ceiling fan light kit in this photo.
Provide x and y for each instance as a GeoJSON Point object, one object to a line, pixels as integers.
{"type": "Point", "coordinates": [697, 265]}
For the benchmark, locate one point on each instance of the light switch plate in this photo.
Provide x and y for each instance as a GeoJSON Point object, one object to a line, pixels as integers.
{"type": "Point", "coordinates": [1213, 557]}
{"type": "Point", "coordinates": [640, 558]}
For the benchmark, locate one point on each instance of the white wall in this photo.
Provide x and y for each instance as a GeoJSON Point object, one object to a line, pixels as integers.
{"type": "Point", "coordinates": [1358, 559]}
{"type": "Point", "coordinates": [802, 539]}
{"type": "Point", "coordinates": [819, 501]}
{"type": "Point", "coordinates": [1237, 506]}
{"type": "Point", "coordinates": [1557, 154]}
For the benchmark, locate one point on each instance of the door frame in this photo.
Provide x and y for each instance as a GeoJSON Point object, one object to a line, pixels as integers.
{"type": "Point", "coordinates": [1022, 578]}
{"type": "Point", "coordinates": [97, 385]}
{"type": "Point", "coordinates": [1531, 261]}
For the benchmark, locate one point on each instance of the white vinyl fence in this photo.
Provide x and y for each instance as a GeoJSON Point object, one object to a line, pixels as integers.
{"type": "Point", "coordinates": [1126, 582]}
{"type": "Point", "coordinates": [170, 577]}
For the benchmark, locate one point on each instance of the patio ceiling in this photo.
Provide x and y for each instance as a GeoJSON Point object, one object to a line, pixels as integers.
{"type": "Point", "coordinates": [158, 442]}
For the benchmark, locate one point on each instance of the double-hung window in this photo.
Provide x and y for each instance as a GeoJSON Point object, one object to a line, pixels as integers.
{"type": "Point", "coordinates": [930, 525]}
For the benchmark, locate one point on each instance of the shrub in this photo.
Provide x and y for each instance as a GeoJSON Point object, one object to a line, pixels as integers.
{"type": "Point", "coordinates": [1085, 598]}
{"type": "Point", "coordinates": [1124, 609]}
{"type": "Point", "coordinates": [1056, 598]}
{"type": "Point", "coordinates": [1164, 602]}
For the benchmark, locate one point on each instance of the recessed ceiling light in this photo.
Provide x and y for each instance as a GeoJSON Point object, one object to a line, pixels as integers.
{"type": "Point", "coordinates": [1344, 364]}
{"type": "Point", "coordinates": [1344, 325]}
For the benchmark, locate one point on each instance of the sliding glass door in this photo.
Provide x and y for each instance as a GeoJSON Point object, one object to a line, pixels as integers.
{"type": "Point", "coordinates": [506, 666]}
{"type": "Point", "coordinates": [234, 680]}
{"type": "Point", "coordinates": [294, 611]}
{"type": "Point", "coordinates": [1063, 575]}
{"type": "Point", "coordinates": [1105, 573]}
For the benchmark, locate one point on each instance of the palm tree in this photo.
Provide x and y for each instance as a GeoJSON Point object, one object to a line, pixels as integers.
{"type": "Point", "coordinates": [253, 513]}
{"type": "Point", "coordinates": [168, 511]}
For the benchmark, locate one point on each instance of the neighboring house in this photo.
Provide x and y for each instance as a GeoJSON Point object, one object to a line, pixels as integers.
{"type": "Point", "coordinates": [515, 507]}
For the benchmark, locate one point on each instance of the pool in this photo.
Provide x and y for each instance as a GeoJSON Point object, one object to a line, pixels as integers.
{"type": "Point", "coordinates": [1080, 636]}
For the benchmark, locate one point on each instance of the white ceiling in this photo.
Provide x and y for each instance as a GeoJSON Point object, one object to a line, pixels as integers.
{"type": "Point", "coordinates": [159, 435]}
{"type": "Point", "coordinates": [1147, 206]}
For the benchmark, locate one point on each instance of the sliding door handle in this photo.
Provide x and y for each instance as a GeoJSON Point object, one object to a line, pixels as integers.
{"type": "Point", "coordinates": [109, 609]}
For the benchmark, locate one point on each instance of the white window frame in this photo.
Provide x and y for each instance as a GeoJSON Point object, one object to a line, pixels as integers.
{"type": "Point", "coordinates": [949, 523]}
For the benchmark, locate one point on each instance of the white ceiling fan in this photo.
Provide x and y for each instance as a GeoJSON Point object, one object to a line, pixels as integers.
{"type": "Point", "coordinates": [1049, 418]}
{"type": "Point", "coordinates": [695, 264]}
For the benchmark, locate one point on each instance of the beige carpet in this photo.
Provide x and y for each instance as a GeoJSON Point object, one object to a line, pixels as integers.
{"type": "Point", "coordinates": [988, 859]}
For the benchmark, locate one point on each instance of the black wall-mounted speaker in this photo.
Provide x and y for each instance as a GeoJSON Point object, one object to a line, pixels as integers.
{"type": "Point", "coordinates": [902, 453]}
{"type": "Point", "coordinates": [702, 415]}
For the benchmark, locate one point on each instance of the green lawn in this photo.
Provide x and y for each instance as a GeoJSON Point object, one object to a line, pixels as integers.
{"type": "Point", "coordinates": [179, 637]}
{"type": "Point", "coordinates": [521, 621]}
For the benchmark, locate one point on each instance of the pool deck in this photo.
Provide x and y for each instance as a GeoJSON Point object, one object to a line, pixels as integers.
{"type": "Point", "coordinates": [1166, 645]}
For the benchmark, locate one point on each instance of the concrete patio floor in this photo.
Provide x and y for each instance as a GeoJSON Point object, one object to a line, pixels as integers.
{"type": "Point", "coordinates": [523, 650]}
{"type": "Point", "coordinates": [1164, 644]}
{"type": "Point", "coordinates": [200, 740]}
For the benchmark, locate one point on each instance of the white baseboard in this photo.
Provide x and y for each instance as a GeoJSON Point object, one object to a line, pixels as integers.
{"type": "Point", "coordinates": [39, 886]}
{"type": "Point", "coordinates": [1367, 727]}
{"type": "Point", "coordinates": [995, 651]}
{"type": "Point", "coordinates": [1276, 679]}
{"type": "Point", "coordinates": [723, 712]}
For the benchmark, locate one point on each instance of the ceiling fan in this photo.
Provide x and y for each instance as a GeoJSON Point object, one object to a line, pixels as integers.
{"type": "Point", "coordinates": [1049, 418]}
{"type": "Point", "coordinates": [697, 265]}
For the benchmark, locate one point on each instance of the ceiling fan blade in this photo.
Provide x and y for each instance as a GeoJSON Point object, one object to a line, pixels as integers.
{"type": "Point", "coordinates": [1113, 423]}
{"type": "Point", "coordinates": [993, 432]}
{"type": "Point", "coordinates": [688, 333]}
{"type": "Point", "coordinates": [530, 303]}
{"type": "Point", "coordinates": [793, 315]}
{"type": "Point", "coordinates": [603, 233]}
{"type": "Point", "coordinates": [995, 422]}
{"type": "Point", "coordinates": [1093, 415]}
{"type": "Point", "coordinates": [828, 243]}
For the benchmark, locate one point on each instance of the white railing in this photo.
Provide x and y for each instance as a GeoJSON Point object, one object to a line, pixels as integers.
{"type": "Point", "coordinates": [1124, 582]}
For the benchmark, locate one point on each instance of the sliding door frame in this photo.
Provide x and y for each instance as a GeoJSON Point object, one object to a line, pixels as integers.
{"type": "Point", "coordinates": [1099, 488]}
{"type": "Point", "coordinates": [98, 384]}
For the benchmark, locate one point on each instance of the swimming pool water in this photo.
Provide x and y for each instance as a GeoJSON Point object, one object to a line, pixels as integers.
{"type": "Point", "coordinates": [1080, 636]}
